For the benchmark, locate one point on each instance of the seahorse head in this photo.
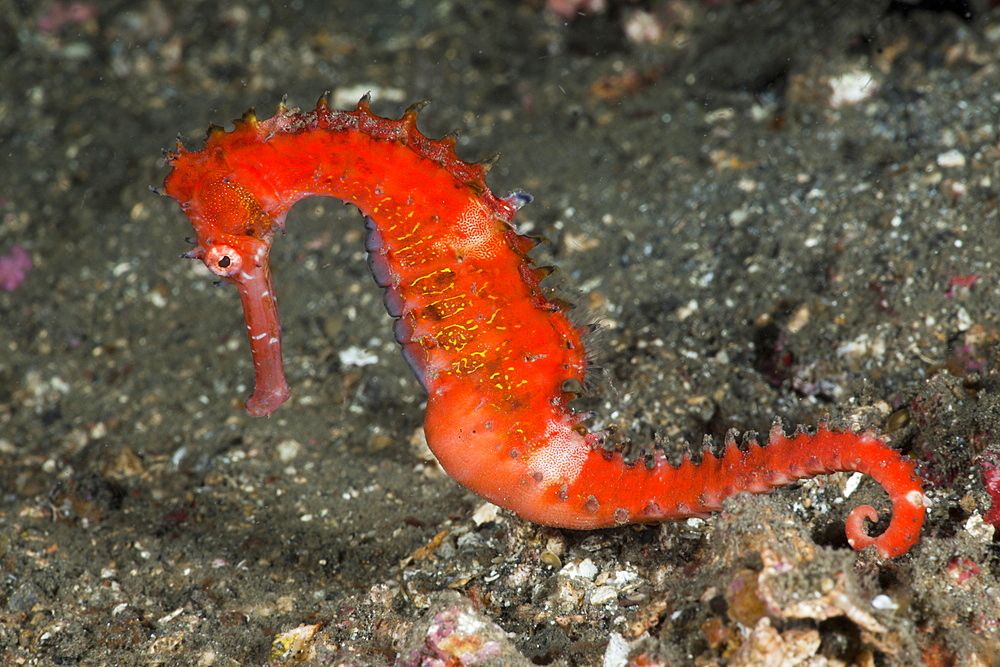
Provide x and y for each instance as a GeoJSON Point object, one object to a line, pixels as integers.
{"type": "Point", "coordinates": [234, 237]}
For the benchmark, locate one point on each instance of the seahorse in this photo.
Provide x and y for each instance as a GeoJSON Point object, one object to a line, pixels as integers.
{"type": "Point", "coordinates": [498, 355]}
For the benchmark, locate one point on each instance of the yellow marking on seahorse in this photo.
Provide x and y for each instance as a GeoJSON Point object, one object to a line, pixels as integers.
{"type": "Point", "coordinates": [507, 378]}
{"type": "Point", "coordinates": [429, 291]}
{"type": "Point", "coordinates": [415, 254]}
{"type": "Point", "coordinates": [376, 206]}
{"type": "Point", "coordinates": [413, 231]}
{"type": "Point", "coordinates": [467, 365]}
{"type": "Point", "coordinates": [415, 245]}
{"type": "Point", "coordinates": [392, 227]}
{"type": "Point", "coordinates": [445, 308]}
{"type": "Point", "coordinates": [396, 222]}
{"type": "Point", "coordinates": [505, 385]}
{"type": "Point", "coordinates": [455, 337]}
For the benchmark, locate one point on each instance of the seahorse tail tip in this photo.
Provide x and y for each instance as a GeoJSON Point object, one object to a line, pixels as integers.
{"type": "Point", "coordinates": [903, 531]}
{"type": "Point", "coordinates": [855, 526]}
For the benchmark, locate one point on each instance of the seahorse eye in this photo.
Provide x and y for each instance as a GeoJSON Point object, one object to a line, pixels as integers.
{"type": "Point", "coordinates": [223, 260]}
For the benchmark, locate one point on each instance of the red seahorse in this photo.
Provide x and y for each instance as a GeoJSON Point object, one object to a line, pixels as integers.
{"type": "Point", "coordinates": [498, 356]}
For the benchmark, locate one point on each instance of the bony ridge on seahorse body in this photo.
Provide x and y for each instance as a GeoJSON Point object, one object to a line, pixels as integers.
{"type": "Point", "coordinates": [498, 356]}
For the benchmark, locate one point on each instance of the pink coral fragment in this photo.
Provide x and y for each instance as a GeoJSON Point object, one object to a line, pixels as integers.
{"type": "Point", "coordinates": [961, 284]}
{"type": "Point", "coordinates": [990, 465]}
{"type": "Point", "coordinates": [60, 14]}
{"type": "Point", "coordinates": [570, 9]}
{"type": "Point", "coordinates": [14, 267]}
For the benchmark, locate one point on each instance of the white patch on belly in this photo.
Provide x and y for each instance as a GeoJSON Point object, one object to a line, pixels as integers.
{"type": "Point", "coordinates": [561, 458]}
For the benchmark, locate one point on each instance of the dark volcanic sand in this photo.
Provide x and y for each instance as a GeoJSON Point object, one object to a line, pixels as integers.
{"type": "Point", "coordinates": [752, 248]}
